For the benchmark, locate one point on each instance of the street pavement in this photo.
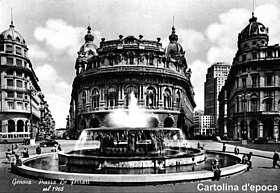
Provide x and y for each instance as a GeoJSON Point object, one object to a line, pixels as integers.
{"type": "Point", "coordinates": [262, 178]}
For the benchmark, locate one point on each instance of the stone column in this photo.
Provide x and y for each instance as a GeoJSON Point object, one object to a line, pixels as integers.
{"type": "Point", "coordinates": [276, 128]}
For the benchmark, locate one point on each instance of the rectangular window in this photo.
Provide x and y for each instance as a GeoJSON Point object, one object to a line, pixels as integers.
{"type": "Point", "coordinates": [20, 106]}
{"type": "Point", "coordinates": [268, 80]}
{"type": "Point", "coordinates": [11, 105]}
{"type": "Point", "coordinates": [10, 94]}
{"type": "Point", "coordinates": [10, 61]}
{"type": "Point", "coordinates": [254, 55]}
{"type": "Point", "coordinates": [19, 95]}
{"type": "Point", "coordinates": [19, 83]}
{"type": "Point", "coordinates": [9, 49]}
{"type": "Point", "coordinates": [18, 51]}
{"type": "Point", "coordinates": [244, 58]}
{"type": "Point", "coordinates": [25, 106]}
{"type": "Point", "coordinates": [19, 74]}
{"type": "Point", "coordinates": [19, 63]}
{"type": "Point", "coordinates": [254, 105]}
{"type": "Point", "coordinates": [1, 47]}
{"type": "Point", "coordinates": [254, 81]}
{"type": "Point", "coordinates": [10, 72]}
{"type": "Point", "coordinates": [10, 82]}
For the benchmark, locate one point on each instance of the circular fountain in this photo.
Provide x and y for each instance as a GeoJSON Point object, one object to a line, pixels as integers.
{"type": "Point", "coordinates": [130, 153]}
{"type": "Point", "coordinates": [132, 148]}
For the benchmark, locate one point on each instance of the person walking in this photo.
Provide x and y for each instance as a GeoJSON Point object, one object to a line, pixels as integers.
{"type": "Point", "coordinates": [275, 159]}
{"type": "Point", "coordinates": [8, 155]}
{"type": "Point", "coordinates": [59, 147]}
{"type": "Point", "coordinates": [13, 162]}
{"type": "Point", "coordinates": [38, 150]}
{"type": "Point", "coordinates": [216, 170]}
{"type": "Point", "coordinates": [236, 150]}
{"type": "Point", "coordinates": [25, 153]}
{"type": "Point", "coordinates": [224, 147]}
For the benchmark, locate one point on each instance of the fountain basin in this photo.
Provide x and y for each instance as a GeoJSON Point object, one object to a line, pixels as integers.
{"type": "Point", "coordinates": [52, 173]}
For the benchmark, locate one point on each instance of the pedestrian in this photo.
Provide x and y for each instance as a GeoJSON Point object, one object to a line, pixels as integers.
{"type": "Point", "coordinates": [38, 150]}
{"type": "Point", "coordinates": [275, 159]}
{"type": "Point", "coordinates": [216, 170]}
{"type": "Point", "coordinates": [59, 147]}
{"type": "Point", "coordinates": [244, 159]}
{"type": "Point", "coordinates": [18, 160]}
{"type": "Point", "coordinates": [13, 162]}
{"type": "Point", "coordinates": [224, 147]}
{"type": "Point", "coordinates": [236, 150]}
{"type": "Point", "coordinates": [8, 155]}
{"type": "Point", "coordinates": [25, 153]}
{"type": "Point", "coordinates": [249, 161]}
{"type": "Point", "coordinates": [53, 149]}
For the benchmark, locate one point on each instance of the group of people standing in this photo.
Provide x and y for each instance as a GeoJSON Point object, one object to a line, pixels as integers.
{"type": "Point", "coordinates": [13, 157]}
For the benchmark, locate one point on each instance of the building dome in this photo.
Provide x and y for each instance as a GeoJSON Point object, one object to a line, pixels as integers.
{"type": "Point", "coordinates": [12, 34]}
{"type": "Point", "coordinates": [173, 48]}
{"type": "Point", "coordinates": [88, 48]}
{"type": "Point", "coordinates": [253, 31]}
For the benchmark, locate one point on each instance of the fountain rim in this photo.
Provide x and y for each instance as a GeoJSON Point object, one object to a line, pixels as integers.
{"type": "Point", "coordinates": [128, 179]}
{"type": "Point", "coordinates": [131, 128]}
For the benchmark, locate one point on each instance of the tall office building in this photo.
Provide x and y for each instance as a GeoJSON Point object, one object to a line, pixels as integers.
{"type": "Point", "coordinates": [215, 79]}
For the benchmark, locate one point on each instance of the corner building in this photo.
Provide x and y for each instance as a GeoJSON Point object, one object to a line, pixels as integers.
{"type": "Point", "coordinates": [250, 100]}
{"type": "Point", "coordinates": [20, 94]}
{"type": "Point", "coordinates": [106, 76]}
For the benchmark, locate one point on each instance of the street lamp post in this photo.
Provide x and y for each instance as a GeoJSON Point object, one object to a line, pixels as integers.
{"type": "Point", "coordinates": [31, 91]}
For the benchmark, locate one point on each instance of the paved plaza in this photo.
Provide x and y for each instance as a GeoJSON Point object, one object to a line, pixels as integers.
{"type": "Point", "coordinates": [262, 178]}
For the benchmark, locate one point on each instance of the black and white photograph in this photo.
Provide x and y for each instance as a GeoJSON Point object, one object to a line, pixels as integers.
{"type": "Point", "coordinates": [136, 96]}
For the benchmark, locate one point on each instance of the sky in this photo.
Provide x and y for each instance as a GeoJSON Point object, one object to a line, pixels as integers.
{"type": "Point", "coordinates": [54, 31]}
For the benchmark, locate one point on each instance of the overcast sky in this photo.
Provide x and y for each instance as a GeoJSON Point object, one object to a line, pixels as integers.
{"type": "Point", "coordinates": [54, 31]}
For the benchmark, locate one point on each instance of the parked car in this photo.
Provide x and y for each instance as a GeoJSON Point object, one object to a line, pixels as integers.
{"type": "Point", "coordinates": [48, 143]}
{"type": "Point", "coordinates": [260, 140]}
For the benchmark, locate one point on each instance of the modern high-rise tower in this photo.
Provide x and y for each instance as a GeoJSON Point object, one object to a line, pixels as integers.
{"type": "Point", "coordinates": [215, 79]}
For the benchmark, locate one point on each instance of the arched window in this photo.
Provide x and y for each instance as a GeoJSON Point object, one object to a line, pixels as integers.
{"type": "Point", "coordinates": [17, 39]}
{"type": "Point", "coordinates": [11, 126]}
{"type": "Point", "coordinates": [112, 96]}
{"type": "Point", "coordinates": [151, 97]}
{"type": "Point", "coordinates": [84, 97]}
{"type": "Point", "coordinates": [95, 98]}
{"type": "Point", "coordinates": [20, 126]}
{"type": "Point", "coordinates": [178, 99]}
{"type": "Point", "coordinates": [26, 126]}
{"type": "Point", "coordinates": [167, 98]}
{"type": "Point", "coordinates": [128, 91]}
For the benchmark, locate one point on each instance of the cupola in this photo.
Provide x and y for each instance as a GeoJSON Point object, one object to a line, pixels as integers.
{"type": "Point", "coordinates": [255, 34]}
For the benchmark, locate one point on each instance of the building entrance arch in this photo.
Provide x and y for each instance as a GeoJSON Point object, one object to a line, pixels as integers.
{"type": "Point", "coordinates": [268, 128]}
{"type": "Point", "coordinates": [152, 122]}
{"type": "Point", "coordinates": [168, 122]}
{"type": "Point", "coordinates": [253, 129]}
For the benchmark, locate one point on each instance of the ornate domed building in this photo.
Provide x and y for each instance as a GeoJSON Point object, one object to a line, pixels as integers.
{"type": "Point", "coordinates": [22, 102]}
{"type": "Point", "coordinates": [250, 100]}
{"type": "Point", "coordinates": [106, 76]}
